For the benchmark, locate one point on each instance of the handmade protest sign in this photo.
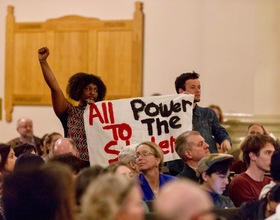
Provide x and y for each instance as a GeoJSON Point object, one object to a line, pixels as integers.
{"type": "Point", "coordinates": [111, 125]}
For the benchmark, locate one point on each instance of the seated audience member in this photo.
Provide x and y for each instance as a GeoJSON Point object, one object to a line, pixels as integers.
{"type": "Point", "coordinates": [24, 148]}
{"type": "Point", "coordinates": [218, 112]}
{"type": "Point", "coordinates": [126, 156]}
{"type": "Point", "coordinates": [25, 129]}
{"type": "Point", "coordinates": [49, 142]}
{"type": "Point", "coordinates": [257, 151]}
{"type": "Point", "coordinates": [7, 164]}
{"type": "Point", "coordinates": [43, 146]}
{"type": "Point", "coordinates": [45, 193]}
{"type": "Point", "coordinates": [191, 148]}
{"type": "Point", "coordinates": [73, 162]}
{"type": "Point", "coordinates": [120, 168]}
{"type": "Point", "coordinates": [28, 161]}
{"type": "Point", "coordinates": [220, 117]}
{"type": "Point", "coordinates": [112, 197]}
{"type": "Point", "coordinates": [84, 178]}
{"type": "Point", "coordinates": [274, 173]}
{"type": "Point", "coordinates": [239, 166]}
{"type": "Point", "coordinates": [149, 159]}
{"type": "Point", "coordinates": [64, 146]}
{"type": "Point", "coordinates": [275, 216]}
{"type": "Point", "coordinates": [213, 171]}
{"type": "Point", "coordinates": [183, 199]}
{"type": "Point", "coordinates": [8, 159]}
{"type": "Point", "coordinates": [260, 209]}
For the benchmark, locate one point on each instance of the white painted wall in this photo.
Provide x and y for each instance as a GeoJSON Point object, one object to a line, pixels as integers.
{"type": "Point", "coordinates": [234, 45]}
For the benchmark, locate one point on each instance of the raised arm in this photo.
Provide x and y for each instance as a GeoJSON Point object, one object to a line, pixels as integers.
{"type": "Point", "coordinates": [60, 103]}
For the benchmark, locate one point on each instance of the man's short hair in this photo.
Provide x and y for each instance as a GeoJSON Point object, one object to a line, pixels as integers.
{"type": "Point", "coordinates": [182, 144]}
{"type": "Point", "coordinates": [180, 80]}
{"type": "Point", "coordinates": [254, 144]}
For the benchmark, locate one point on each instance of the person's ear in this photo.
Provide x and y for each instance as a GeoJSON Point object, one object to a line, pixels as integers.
{"type": "Point", "coordinates": [132, 164]}
{"type": "Point", "coordinates": [252, 156]}
{"type": "Point", "coordinates": [181, 91]}
{"type": "Point", "coordinates": [204, 176]}
{"type": "Point", "coordinates": [188, 154]}
{"type": "Point", "coordinates": [158, 159]}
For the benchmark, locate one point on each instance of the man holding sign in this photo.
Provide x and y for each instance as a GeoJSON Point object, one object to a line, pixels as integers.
{"type": "Point", "coordinates": [204, 119]}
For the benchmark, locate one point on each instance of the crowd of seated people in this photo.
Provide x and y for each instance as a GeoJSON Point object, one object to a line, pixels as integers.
{"type": "Point", "coordinates": [126, 194]}
{"type": "Point", "coordinates": [134, 187]}
{"type": "Point", "coordinates": [51, 178]}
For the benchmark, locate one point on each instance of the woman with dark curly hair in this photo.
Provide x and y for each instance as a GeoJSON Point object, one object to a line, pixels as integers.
{"type": "Point", "coordinates": [82, 87]}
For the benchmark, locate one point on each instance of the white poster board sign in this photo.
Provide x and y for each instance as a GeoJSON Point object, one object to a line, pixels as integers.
{"type": "Point", "coordinates": [112, 125]}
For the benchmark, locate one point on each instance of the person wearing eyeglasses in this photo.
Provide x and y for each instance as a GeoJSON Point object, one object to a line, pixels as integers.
{"type": "Point", "coordinates": [149, 159]}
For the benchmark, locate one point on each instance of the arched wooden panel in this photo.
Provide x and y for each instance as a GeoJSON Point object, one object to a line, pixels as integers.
{"type": "Point", "coordinates": [112, 49]}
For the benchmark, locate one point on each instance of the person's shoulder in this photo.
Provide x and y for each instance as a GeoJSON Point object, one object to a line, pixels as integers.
{"type": "Point", "coordinates": [205, 110]}
{"type": "Point", "coordinates": [14, 142]}
{"type": "Point", "coordinates": [225, 201]}
{"type": "Point", "coordinates": [37, 139]}
{"type": "Point", "coordinates": [140, 176]}
{"type": "Point", "coordinates": [167, 176]}
{"type": "Point", "coordinates": [266, 189]}
{"type": "Point", "coordinates": [240, 178]}
{"type": "Point", "coordinates": [251, 205]}
{"type": "Point", "coordinates": [267, 179]}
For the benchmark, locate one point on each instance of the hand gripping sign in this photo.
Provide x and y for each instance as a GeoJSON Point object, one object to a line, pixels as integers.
{"type": "Point", "coordinates": [111, 125]}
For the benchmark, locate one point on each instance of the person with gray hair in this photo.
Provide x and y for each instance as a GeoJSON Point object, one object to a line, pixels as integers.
{"type": "Point", "coordinates": [126, 156]}
{"type": "Point", "coordinates": [25, 129]}
{"type": "Point", "coordinates": [191, 148]}
{"type": "Point", "coordinates": [112, 196]}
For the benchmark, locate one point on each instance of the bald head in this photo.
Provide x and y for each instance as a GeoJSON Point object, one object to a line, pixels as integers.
{"type": "Point", "coordinates": [64, 146]}
{"type": "Point", "coordinates": [25, 127]}
{"type": "Point", "coordinates": [182, 200]}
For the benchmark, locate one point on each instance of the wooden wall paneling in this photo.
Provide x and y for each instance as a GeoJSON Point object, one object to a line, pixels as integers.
{"type": "Point", "coordinates": [10, 20]}
{"type": "Point", "coordinates": [138, 42]}
{"type": "Point", "coordinates": [112, 49]}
